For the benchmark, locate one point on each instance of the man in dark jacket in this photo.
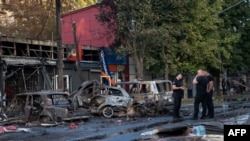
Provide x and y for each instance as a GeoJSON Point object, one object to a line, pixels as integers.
{"type": "Point", "coordinates": [209, 101]}
{"type": "Point", "coordinates": [178, 92]}
{"type": "Point", "coordinates": [201, 82]}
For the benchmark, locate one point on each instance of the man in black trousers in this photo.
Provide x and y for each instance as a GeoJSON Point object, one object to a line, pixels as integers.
{"type": "Point", "coordinates": [201, 82]}
{"type": "Point", "coordinates": [209, 101]}
{"type": "Point", "coordinates": [178, 92]}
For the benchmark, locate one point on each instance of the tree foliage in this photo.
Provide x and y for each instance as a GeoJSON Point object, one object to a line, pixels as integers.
{"type": "Point", "coordinates": [132, 22]}
{"type": "Point", "coordinates": [236, 21]}
{"type": "Point", "coordinates": [35, 19]}
{"type": "Point", "coordinates": [203, 34]}
{"type": "Point", "coordinates": [184, 36]}
{"type": "Point", "coordinates": [162, 36]}
{"type": "Point", "coordinates": [165, 58]}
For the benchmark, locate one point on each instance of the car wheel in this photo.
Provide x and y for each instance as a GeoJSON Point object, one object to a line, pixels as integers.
{"type": "Point", "coordinates": [45, 119]}
{"type": "Point", "coordinates": [107, 112]}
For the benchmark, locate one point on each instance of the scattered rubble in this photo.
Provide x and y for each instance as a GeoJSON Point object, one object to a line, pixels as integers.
{"type": "Point", "coordinates": [11, 128]}
{"type": "Point", "coordinates": [179, 132]}
{"type": "Point", "coordinates": [73, 125]}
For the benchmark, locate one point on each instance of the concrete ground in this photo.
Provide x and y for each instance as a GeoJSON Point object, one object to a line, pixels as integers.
{"type": "Point", "coordinates": [121, 129]}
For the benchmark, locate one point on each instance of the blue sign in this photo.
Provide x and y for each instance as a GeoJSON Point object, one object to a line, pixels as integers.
{"type": "Point", "coordinates": [103, 61]}
{"type": "Point", "coordinates": [113, 58]}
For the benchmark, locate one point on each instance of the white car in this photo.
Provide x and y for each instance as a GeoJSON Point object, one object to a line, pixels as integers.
{"type": "Point", "coordinates": [153, 97]}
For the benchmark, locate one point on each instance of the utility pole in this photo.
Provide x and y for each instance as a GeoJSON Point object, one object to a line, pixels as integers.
{"type": "Point", "coordinates": [1, 76]}
{"type": "Point", "coordinates": [59, 46]}
{"type": "Point", "coordinates": [79, 69]}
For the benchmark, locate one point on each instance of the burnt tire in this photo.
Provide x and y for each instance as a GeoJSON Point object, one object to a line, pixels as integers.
{"type": "Point", "coordinates": [107, 112]}
{"type": "Point", "coordinates": [45, 119]}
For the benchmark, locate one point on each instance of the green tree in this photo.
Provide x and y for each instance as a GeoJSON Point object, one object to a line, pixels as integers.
{"type": "Point", "coordinates": [131, 23]}
{"type": "Point", "coordinates": [236, 20]}
{"type": "Point", "coordinates": [165, 59]}
{"type": "Point", "coordinates": [83, 3]}
{"type": "Point", "coordinates": [207, 40]}
{"type": "Point", "coordinates": [171, 36]}
{"type": "Point", "coordinates": [203, 36]}
{"type": "Point", "coordinates": [190, 39]}
{"type": "Point", "coordinates": [35, 19]}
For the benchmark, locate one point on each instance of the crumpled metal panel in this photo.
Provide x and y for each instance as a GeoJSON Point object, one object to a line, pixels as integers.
{"type": "Point", "coordinates": [116, 102]}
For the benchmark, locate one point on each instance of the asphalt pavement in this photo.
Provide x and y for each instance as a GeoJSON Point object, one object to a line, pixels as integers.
{"type": "Point", "coordinates": [118, 129]}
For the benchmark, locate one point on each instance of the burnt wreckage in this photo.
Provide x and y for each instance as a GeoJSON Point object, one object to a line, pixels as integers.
{"type": "Point", "coordinates": [92, 98]}
{"type": "Point", "coordinates": [151, 100]}
{"type": "Point", "coordinates": [29, 66]}
{"type": "Point", "coordinates": [45, 106]}
{"type": "Point", "coordinates": [26, 66]}
{"type": "Point", "coordinates": [101, 99]}
{"type": "Point", "coordinates": [150, 97]}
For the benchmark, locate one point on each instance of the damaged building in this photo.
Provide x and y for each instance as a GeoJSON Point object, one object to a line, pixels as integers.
{"type": "Point", "coordinates": [31, 65]}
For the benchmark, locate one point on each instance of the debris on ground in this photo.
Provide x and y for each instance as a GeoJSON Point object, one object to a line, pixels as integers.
{"type": "Point", "coordinates": [11, 128]}
{"type": "Point", "coordinates": [240, 119]}
{"type": "Point", "coordinates": [211, 137]}
{"type": "Point", "coordinates": [204, 131]}
{"type": "Point", "coordinates": [73, 125]}
{"type": "Point", "coordinates": [50, 124]}
{"type": "Point", "coordinates": [176, 130]}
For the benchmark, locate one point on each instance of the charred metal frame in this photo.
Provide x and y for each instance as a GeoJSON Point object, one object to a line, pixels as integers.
{"type": "Point", "coordinates": [45, 107]}
{"type": "Point", "coordinates": [28, 65]}
{"type": "Point", "coordinates": [11, 46]}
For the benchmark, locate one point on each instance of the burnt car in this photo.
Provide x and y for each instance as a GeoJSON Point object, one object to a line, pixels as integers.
{"type": "Point", "coordinates": [151, 97]}
{"type": "Point", "coordinates": [103, 100]}
{"type": "Point", "coordinates": [45, 106]}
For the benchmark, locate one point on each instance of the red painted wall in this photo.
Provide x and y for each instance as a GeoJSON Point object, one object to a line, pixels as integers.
{"type": "Point", "coordinates": [88, 30]}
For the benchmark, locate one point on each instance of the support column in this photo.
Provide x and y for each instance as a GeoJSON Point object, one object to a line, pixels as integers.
{"type": "Point", "coordinates": [1, 83]}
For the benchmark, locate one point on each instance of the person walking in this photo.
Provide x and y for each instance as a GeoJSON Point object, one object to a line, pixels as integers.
{"type": "Point", "coordinates": [209, 99]}
{"type": "Point", "coordinates": [224, 86]}
{"type": "Point", "coordinates": [201, 82]}
{"type": "Point", "coordinates": [178, 93]}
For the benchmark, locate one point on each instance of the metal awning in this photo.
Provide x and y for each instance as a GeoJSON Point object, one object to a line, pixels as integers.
{"type": "Point", "coordinates": [28, 61]}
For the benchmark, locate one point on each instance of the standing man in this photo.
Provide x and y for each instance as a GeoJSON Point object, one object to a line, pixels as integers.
{"type": "Point", "coordinates": [201, 82]}
{"type": "Point", "coordinates": [178, 92]}
{"type": "Point", "coordinates": [224, 86]}
{"type": "Point", "coordinates": [209, 101]}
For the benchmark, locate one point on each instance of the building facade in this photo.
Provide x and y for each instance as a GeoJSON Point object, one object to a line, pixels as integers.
{"type": "Point", "coordinates": [93, 44]}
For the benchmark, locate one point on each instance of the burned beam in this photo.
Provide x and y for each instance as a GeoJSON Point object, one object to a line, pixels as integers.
{"type": "Point", "coordinates": [1, 82]}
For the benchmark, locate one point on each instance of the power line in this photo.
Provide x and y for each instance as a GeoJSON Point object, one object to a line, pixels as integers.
{"type": "Point", "coordinates": [237, 3]}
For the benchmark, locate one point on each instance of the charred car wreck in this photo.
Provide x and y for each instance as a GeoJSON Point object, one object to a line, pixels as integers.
{"type": "Point", "coordinates": [45, 107]}
{"type": "Point", "coordinates": [143, 98]}
{"type": "Point", "coordinates": [150, 97]}
{"type": "Point", "coordinates": [100, 99]}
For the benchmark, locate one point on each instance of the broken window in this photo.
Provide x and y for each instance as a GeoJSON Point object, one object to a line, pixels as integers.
{"type": "Point", "coordinates": [115, 92]}
{"type": "Point", "coordinates": [59, 100]}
